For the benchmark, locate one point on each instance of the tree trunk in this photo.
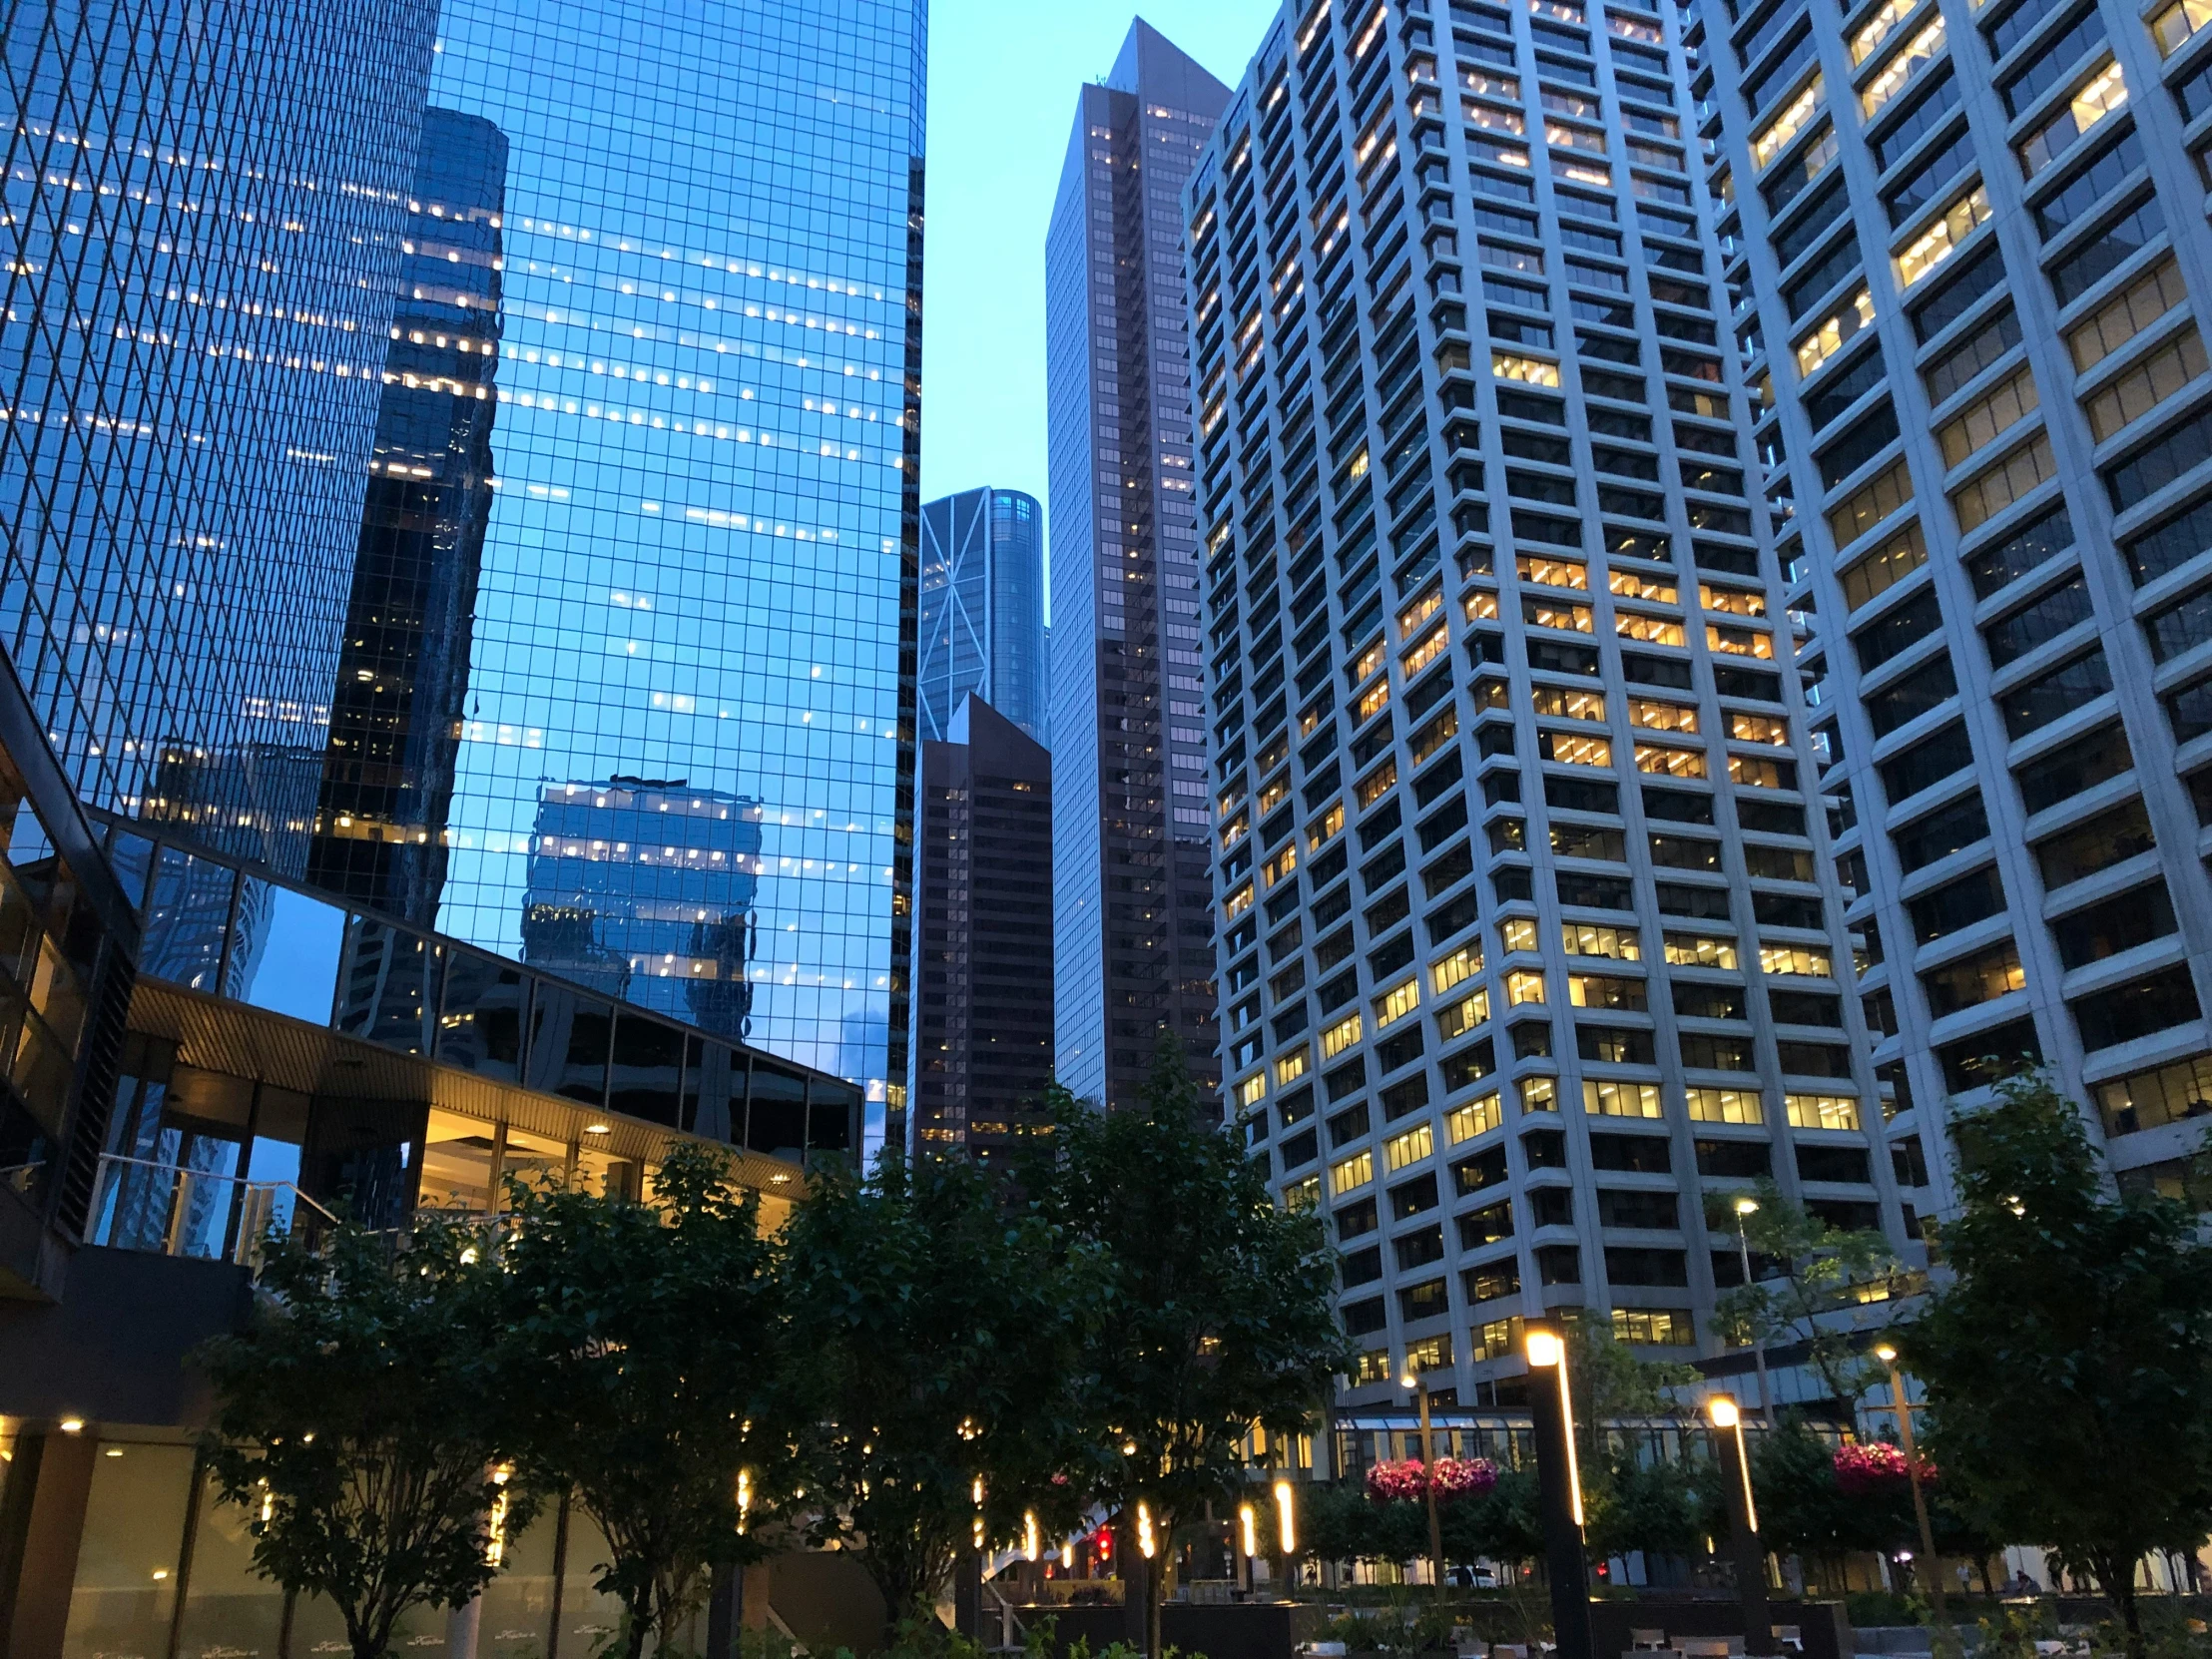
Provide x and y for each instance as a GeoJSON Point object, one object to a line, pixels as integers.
{"type": "Point", "coordinates": [639, 1625]}
{"type": "Point", "coordinates": [2123, 1590]}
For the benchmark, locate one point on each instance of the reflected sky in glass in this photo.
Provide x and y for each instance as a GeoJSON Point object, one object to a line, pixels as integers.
{"type": "Point", "coordinates": [692, 570]}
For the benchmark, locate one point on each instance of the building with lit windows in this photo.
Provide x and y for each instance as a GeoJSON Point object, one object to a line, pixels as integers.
{"type": "Point", "coordinates": [1532, 940]}
{"type": "Point", "coordinates": [1133, 934]}
{"type": "Point", "coordinates": [701, 555]}
{"type": "Point", "coordinates": [983, 1042]}
{"type": "Point", "coordinates": [981, 610]}
{"type": "Point", "coordinates": [193, 374]}
{"type": "Point", "coordinates": [1967, 247]}
{"type": "Point", "coordinates": [645, 889]}
{"type": "Point", "coordinates": [403, 677]}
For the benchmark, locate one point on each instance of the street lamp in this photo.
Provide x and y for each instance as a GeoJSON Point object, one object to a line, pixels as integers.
{"type": "Point", "coordinates": [1932, 1569]}
{"type": "Point", "coordinates": [1746, 1208]}
{"type": "Point", "coordinates": [1414, 1381]}
{"type": "Point", "coordinates": [1743, 1518]}
{"type": "Point", "coordinates": [1552, 1413]}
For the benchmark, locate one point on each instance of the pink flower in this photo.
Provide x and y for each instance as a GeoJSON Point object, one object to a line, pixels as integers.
{"type": "Point", "coordinates": [1454, 1477]}
{"type": "Point", "coordinates": [1869, 1466]}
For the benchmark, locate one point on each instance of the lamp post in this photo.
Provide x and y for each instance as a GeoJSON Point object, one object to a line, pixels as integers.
{"type": "Point", "coordinates": [1746, 1208]}
{"type": "Point", "coordinates": [1551, 1410]}
{"type": "Point", "coordinates": [1743, 1523]}
{"type": "Point", "coordinates": [1419, 1386]}
{"type": "Point", "coordinates": [1932, 1569]}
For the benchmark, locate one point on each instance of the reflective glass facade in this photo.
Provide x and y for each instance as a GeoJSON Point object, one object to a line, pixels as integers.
{"type": "Point", "coordinates": [1532, 939]}
{"type": "Point", "coordinates": [699, 558]}
{"type": "Point", "coordinates": [1132, 933]}
{"type": "Point", "coordinates": [403, 677]}
{"type": "Point", "coordinates": [196, 293]}
{"type": "Point", "coordinates": [982, 609]}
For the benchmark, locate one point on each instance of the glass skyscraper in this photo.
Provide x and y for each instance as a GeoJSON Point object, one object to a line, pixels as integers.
{"type": "Point", "coordinates": [1133, 939]}
{"type": "Point", "coordinates": [403, 677]}
{"type": "Point", "coordinates": [202, 220]}
{"type": "Point", "coordinates": [982, 609]}
{"type": "Point", "coordinates": [700, 561]}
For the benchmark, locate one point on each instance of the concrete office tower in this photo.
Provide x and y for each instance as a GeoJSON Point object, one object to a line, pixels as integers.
{"type": "Point", "coordinates": [1134, 943]}
{"type": "Point", "coordinates": [1967, 247]}
{"type": "Point", "coordinates": [701, 558]}
{"type": "Point", "coordinates": [192, 376]}
{"type": "Point", "coordinates": [982, 1040]}
{"type": "Point", "coordinates": [403, 681]}
{"type": "Point", "coordinates": [1533, 943]}
{"type": "Point", "coordinates": [981, 620]}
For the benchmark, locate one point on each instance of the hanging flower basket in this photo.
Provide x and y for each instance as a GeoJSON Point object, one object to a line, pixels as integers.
{"type": "Point", "coordinates": [1455, 1477]}
{"type": "Point", "coordinates": [1866, 1466]}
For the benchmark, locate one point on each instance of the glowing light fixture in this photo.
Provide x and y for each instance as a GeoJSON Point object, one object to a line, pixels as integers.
{"type": "Point", "coordinates": [1248, 1521]}
{"type": "Point", "coordinates": [72, 1426]}
{"type": "Point", "coordinates": [1286, 1518]}
{"type": "Point", "coordinates": [1029, 1536]}
{"type": "Point", "coordinates": [1147, 1545]}
{"type": "Point", "coordinates": [1724, 1414]}
{"type": "Point", "coordinates": [1546, 1352]}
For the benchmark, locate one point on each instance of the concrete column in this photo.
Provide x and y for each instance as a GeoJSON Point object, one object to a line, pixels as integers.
{"type": "Point", "coordinates": [461, 1626]}
{"type": "Point", "coordinates": [42, 1522]}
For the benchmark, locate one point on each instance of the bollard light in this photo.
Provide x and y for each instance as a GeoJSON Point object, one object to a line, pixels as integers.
{"type": "Point", "coordinates": [1248, 1521]}
{"type": "Point", "coordinates": [1031, 1542]}
{"type": "Point", "coordinates": [1286, 1518]}
{"type": "Point", "coordinates": [1145, 1544]}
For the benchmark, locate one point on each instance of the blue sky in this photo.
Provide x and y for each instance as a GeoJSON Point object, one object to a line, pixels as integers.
{"type": "Point", "coordinates": [1003, 78]}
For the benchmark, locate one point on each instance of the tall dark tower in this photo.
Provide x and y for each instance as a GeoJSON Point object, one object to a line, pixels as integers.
{"type": "Point", "coordinates": [1132, 908]}
{"type": "Point", "coordinates": [402, 682]}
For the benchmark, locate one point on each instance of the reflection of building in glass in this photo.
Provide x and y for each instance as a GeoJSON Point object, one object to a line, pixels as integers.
{"type": "Point", "coordinates": [644, 888]}
{"type": "Point", "coordinates": [402, 680]}
{"type": "Point", "coordinates": [1132, 900]}
{"type": "Point", "coordinates": [700, 556]}
{"type": "Point", "coordinates": [983, 1042]}
{"type": "Point", "coordinates": [190, 396]}
{"type": "Point", "coordinates": [982, 609]}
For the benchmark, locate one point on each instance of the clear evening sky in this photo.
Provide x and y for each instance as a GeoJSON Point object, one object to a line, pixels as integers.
{"type": "Point", "coordinates": [1003, 79]}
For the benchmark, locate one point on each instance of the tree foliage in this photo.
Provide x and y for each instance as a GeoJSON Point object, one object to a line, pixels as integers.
{"type": "Point", "coordinates": [1806, 1284]}
{"type": "Point", "coordinates": [2069, 1359]}
{"type": "Point", "coordinates": [937, 1337]}
{"type": "Point", "coordinates": [643, 1341]}
{"type": "Point", "coordinates": [1212, 1306]}
{"type": "Point", "coordinates": [359, 1425]}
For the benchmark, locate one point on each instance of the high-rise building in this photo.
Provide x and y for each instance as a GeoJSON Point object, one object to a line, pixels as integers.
{"type": "Point", "coordinates": [1967, 253]}
{"type": "Point", "coordinates": [402, 677]}
{"type": "Point", "coordinates": [1532, 940]}
{"type": "Point", "coordinates": [1133, 946]}
{"type": "Point", "coordinates": [644, 888]}
{"type": "Point", "coordinates": [982, 613]}
{"type": "Point", "coordinates": [982, 980]}
{"type": "Point", "coordinates": [194, 299]}
{"type": "Point", "coordinates": [700, 560]}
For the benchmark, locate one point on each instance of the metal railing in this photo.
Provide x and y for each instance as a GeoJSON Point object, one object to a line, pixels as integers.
{"type": "Point", "coordinates": [204, 1215]}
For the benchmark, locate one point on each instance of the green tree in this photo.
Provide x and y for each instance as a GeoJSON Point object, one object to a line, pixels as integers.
{"type": "Point", "coordinates": [358, 1421]}
{"type": "Point", "coordinates": [937, 1333]}
{"type": "Point", "coordinates": [1801, 1509]}
{"type": "Point", "coordinates": [1631, 1501]}
{"type": "Point", "coordinates": [2069, 1359]}
{"type": "Point", "coordinates": [1212, 1311]}
{"type": "Point", "coordinates": [1811, 1289]}
{"type": "Point", "coordinates": [643, 1341]}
